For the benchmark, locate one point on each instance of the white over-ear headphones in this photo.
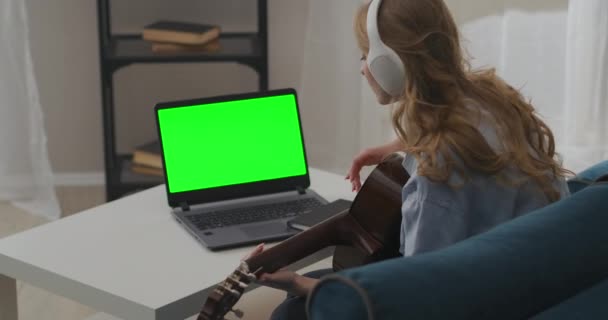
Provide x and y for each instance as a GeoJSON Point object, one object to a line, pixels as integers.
{"type": "Point", "coordinates": [383, 62]}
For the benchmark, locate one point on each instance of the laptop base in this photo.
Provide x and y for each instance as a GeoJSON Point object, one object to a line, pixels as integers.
{"type": "Point", "coordinates": [248, 233]}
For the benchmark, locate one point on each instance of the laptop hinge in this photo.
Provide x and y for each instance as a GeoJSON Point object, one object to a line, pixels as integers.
{"type": "Point", "coordinates": [184, 206]}
{"type": "Point", "coordinates": [301, 190]}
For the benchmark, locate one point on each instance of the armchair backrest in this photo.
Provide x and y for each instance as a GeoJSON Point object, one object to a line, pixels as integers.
{"type": "Point", "coordinates": [588, 176]}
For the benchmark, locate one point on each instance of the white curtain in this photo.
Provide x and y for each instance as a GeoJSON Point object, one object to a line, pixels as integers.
{"type": "Point", "coordinates": [25, 173]}
{"type": "Point", "coordinates": [555, 51]}
{"type": "Point", "coordinates": [586, 108]}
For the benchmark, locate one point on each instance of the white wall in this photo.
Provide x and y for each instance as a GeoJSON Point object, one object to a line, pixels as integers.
{"type": "Point", "coordinates": [65, 52]}
{"type": "Point", "coordinates": [63, 36]}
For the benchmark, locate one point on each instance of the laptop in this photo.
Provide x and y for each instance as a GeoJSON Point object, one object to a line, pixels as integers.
{"type": "Point", "coordinates": [235, 166]}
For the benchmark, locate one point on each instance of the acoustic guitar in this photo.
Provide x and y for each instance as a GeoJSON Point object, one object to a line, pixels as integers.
{"type": "Point", "coordinates": [366, 233]}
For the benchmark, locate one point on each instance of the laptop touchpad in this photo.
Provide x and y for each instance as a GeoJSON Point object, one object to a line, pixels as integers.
{"type": "Point", "coordinates": [264, 230]}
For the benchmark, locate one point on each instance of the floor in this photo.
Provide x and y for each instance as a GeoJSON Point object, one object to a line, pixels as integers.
{"type": "Point", "coordinates": [37, 304]}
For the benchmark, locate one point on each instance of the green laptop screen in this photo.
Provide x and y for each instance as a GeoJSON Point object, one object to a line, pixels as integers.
{"type": "Point", "coordinates": [228, 143]}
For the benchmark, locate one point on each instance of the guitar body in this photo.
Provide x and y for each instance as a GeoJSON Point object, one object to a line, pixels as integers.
{"type": "Point", "coordinates": [366, 233]}
{"type": "Point", "coordinates": [377, 209]}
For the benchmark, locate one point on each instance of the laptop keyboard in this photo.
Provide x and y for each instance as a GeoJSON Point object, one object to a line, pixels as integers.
{"type": "Point", "coordinates": [272, 211]}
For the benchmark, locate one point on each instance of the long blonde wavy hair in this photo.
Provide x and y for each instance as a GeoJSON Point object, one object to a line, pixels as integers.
{"type": "Point", "coordinates": [444, 101]}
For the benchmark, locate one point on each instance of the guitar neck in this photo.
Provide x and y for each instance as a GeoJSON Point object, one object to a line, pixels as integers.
{"type": "Point", "coordinates": [299, 246]}
{"type": "Point", "coordinates": [369, 230]}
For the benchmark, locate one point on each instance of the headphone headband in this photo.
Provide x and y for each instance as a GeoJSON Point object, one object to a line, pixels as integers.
{"type": "Point", "coordinates": [372, 25]}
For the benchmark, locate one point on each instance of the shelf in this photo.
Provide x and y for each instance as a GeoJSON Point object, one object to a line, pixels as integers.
{"type": "Point", "coordinates": [129, 180]}
{"type": "Point", "coordinates": [234, 47]}
{"type": "Point", "coordinates": [119, 50]}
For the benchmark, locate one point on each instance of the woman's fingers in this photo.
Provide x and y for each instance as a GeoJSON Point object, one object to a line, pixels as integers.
{"type": "Point", "coordinates": [353, 176]}
{"type": "Point", "coordinates": [355, 182]}
{"type": "Point", "coordinates": [282, 279]}
{"type": "Point", "coordinates": [265, 278]}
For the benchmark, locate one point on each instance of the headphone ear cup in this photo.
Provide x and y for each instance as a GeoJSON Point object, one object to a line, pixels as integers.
{"type": "Point", "coordinates": [388, 73]}
{"type": "Point", "coordinates": [384, 63]}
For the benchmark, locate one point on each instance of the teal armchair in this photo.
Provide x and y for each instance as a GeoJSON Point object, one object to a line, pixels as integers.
{"type": "Point", "coordinates": [548, 263]}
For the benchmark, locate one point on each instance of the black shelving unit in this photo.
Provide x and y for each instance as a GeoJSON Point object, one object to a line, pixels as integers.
{"type": "Point", "coordinates": [120, 50]}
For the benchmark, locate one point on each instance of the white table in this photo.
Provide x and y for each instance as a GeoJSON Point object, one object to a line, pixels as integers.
{"type": "Point", "coordinates": [128, 258]}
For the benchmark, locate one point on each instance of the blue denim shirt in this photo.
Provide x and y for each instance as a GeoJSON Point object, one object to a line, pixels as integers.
{"type": "Point", "coordinates": [436, 215]}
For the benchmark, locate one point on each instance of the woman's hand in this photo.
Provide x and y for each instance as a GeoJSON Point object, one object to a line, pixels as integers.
{"type": "Point", "coordinates": [289, 281]}
{"type": "Point", "coordinates": [369, 157]}
{"type": "Point", "coordinates": [284, 280]}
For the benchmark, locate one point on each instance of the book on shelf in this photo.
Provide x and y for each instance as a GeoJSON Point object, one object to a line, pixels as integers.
{"type": "Point", "coordinates": [168, 47]}
{"type": "Point", "coordinates": [148, 155]}
{"type": "Point", "coordinates": [180, 32]}
{"type": "Point", "coordinates": [141, 169]}
{"type": "Point", "coordinates": [129, 176]}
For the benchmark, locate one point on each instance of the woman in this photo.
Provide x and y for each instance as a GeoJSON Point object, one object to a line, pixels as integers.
{"type": "Point", "coordinates": [477, 153]}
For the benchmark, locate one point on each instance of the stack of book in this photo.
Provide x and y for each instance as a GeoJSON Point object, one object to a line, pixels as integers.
{"type": "Point", "coordinates": [147, 159]}
{"type": "Point", "coordinates": [173, 36]}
